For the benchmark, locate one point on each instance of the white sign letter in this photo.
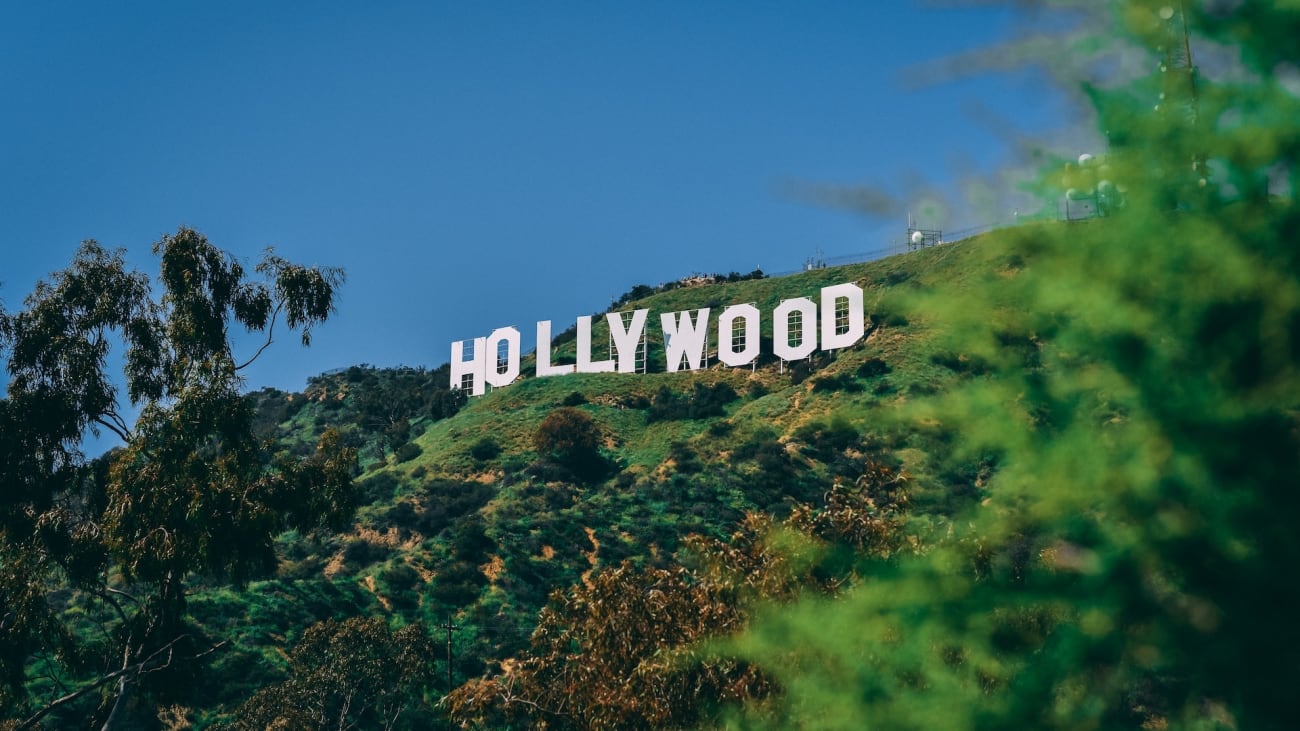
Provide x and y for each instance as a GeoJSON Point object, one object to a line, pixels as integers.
{"type": "Point", "coordinates": [842, 322]}
{"type": "Point", "coordinates": [748, 315]}
{"type": "Point", "coordinates": [625, 341]}
{"type": "Point", "coordinates": [544, 367]}
{"type": "Point", "coordinates": [496, 376]}
{"type": "Point", "coordinates": [585, 364]}
{"type": "Point", "coordinates": [685, 338]}
{"type": "Point", "coordinates": [806, 330]}
{"type": "Point", "coordinates": [474, 367]}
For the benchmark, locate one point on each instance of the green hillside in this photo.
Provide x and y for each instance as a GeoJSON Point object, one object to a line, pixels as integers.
{"type": "Point", "coordinates": [1053, 487]}
{"type": "Point", "coordinates": [543, 520]}
{"type": "Point", "coordinates": [460, 517]}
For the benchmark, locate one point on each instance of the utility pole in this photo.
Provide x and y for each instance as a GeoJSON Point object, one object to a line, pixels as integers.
{"type": "Point", "coordinates": [450, 628]}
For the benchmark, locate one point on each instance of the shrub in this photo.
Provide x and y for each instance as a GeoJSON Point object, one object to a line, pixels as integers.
{"type": "Point", "coordinates": [839, 383]}
{"type": "Point", "coordinates": [360, 553]}
{"type": "Point", "coordinates": [684, 457]}
{"type": "Point", "coordinates": [407, 452]}
{"type": "Point", "coordinates": [377, 488]}
{"type": "Point", "coordinates": [703, 402]}
{"type": "Point", "coordinates": [961, 363]}
{"type": "Point", "coordinates": [445, 403]}
{"type": "Point", "coordinates": [666, 405]}
{"type": "Point", "coordinates": [399, 577]}
{"type": "Point", "coordinates": [873, 367]}
{"type": "Point", "coordinates": [457, 584]}
{"type": "Point", "coordinates": [569, 436]}
{"type": "Point", "coordinates": [470, 541]}
{"type": "Point", "coordinates": [485, 449]}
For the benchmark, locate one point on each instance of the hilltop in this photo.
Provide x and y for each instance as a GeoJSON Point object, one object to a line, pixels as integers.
{"type": "Point", "coordinates": [460, 516]}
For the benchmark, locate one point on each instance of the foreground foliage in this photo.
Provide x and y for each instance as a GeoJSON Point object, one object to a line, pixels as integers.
{"type": "Point", "coordinates": [95, 557]}
{"type": "Point", "coordinates": [1130, 564]}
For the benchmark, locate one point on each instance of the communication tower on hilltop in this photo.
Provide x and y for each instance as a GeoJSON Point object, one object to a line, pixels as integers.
{"type": "Point", "coordinates": [1178, 103]}
{"type": "Point", "coordinates": [1089, 192]}
{"type": "Point", "coordinates": [920, 238]}
{"type": "Point", "coordinates": [1178, 73]}
{"type": "Point", "coordinates": [816, 261]}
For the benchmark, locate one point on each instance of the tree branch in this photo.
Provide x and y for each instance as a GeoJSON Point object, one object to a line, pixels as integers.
{"type": "Point", "coordinates": [119, 592]}
{"type": "Point", "coordinates": [51, 674]}
{"type": "Point", "coordinates": [508, 697]}
{"type": "Point", "coordinates": [211, 650]}
{"type": "Point", "coordinates": [134, 668]}
{"type": "Point", "coordinates": [121, 434]}
{"type": "Point", "coordinates": [117, 419]}
{"type": "Point", "coordinates": [113, 603]}
{"type": "Point", "coordinates": [270, 332]}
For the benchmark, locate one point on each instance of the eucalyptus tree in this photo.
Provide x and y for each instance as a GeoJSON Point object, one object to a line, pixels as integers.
{"type": "Point", "coordinates": [355, 673]}
{"type": "Point", "coordinates": [190, 492]}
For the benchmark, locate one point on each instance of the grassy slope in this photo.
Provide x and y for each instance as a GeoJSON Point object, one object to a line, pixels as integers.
{"type": "Point", "coordinates": [511, 415]}
{"type": "Point", "coordinates": [780, 440]}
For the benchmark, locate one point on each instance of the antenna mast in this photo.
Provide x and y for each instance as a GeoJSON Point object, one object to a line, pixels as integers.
{"type": "Point", "coordinates": [1179, 87]}
{"type": "Point", "coordinates": [1178, 75]}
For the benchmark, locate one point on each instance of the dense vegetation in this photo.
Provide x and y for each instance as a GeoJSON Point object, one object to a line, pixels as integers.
{"type": "Point", "coordinates": [98, 560]}
{"type": "Point", "coordinates": [477, 512]}
{"type": "Point", "coordinates": [1053, 488]}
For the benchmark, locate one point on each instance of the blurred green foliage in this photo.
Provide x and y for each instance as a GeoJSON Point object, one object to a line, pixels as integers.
{"type": "Point", "coordinates": [1129, 563]}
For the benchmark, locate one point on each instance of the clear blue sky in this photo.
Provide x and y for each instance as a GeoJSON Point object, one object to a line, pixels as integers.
{"type": "Point", "coordinates": [476, 165]}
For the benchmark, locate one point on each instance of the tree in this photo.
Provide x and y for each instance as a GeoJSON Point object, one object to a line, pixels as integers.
{"type": "Point", "coordinates": [627, 649]}
{"type": "Point", "coordinates": [1130, 565]}
{"type": "Point", "coordinates": [572, 438]}
{"type": "Point", "coordinates": [386, 401]}
{"type": "Point", "coordinates": [355, 673]}
{"type": "Point", "coordinates": [191, 491]}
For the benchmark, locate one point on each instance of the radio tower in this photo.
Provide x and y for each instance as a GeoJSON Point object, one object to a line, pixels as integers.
{"type": "Point", "coordinates": [1178, 94]}
{"type": "Point", "coordinates": [1178, 78]}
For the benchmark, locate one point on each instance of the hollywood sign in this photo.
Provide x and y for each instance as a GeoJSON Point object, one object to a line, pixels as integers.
{"type": "Point", "coordinates": [495, 360]}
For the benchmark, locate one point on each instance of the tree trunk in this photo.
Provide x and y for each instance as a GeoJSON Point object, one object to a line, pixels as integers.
{"type": "Point", "coordinates": [118, 714]}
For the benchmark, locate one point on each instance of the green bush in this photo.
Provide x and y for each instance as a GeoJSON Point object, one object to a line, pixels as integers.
{"type": "Point", "coordinates": [485, 449]}
{"type": "Point", "coordinates": [399, 576]}
{"type": "Point", "coordinates": [572, 439]}
{"type": "Point", "coordinates": [703, 402]}
{"type": "Point", "coordinates": [407, 452]}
